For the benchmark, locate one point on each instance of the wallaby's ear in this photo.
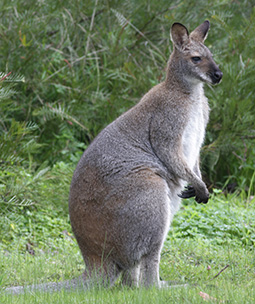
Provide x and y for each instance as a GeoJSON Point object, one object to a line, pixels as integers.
{"type": "Point", "coordinates": [179, 35]}
{"type": "Point", "coordinates": [200, 33]}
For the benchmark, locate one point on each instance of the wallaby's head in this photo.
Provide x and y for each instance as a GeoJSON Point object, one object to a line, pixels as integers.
{"type": "Point", "coordinates": [191, 57]}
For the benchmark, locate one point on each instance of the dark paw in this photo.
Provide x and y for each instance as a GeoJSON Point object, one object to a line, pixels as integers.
{"type": "Point", "coordinates": [188, 192]}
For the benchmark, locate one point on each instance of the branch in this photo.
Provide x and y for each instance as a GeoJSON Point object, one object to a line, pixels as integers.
{"type": "Point", "coordinates": [2, 79]}
{"type": "Point", "coordinates": [220, 272]}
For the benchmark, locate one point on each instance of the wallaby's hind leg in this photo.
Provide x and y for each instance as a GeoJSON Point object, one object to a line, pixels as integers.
{"type": "Point", "coordinates": [148, 227]}
{"type": "Point", "coordinates": [145, 274]}
{"type": "Point", "coordinates": [131, 277]}
{"type": "Point", "coordinates": [149, 271]}
{"type": "Point", "coordinates": [99, 272]}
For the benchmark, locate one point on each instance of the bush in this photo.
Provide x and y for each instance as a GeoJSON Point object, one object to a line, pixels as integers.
{"type": "Point", "coordinates": [86, 62]}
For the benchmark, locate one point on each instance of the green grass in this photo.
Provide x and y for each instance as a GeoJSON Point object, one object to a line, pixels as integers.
{"type": "Point", "coordinates": [188, 263]}
{"type": "Point", "coordinates": [203, 240]}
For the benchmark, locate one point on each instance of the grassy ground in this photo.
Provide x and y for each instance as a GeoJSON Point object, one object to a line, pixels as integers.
{"type": "Point", "coordinates": [194, 262]}
{"type": "Point", "coordinates": [209, 247]}
{"type": "Point", "coordinates": [86, 62]}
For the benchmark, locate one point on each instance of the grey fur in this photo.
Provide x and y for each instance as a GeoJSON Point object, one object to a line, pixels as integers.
{"type": "Point", "coordinates": [124, 191]}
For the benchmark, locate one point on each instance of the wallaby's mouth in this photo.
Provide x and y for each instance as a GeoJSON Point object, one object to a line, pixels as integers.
{"type": "Point", "coordinates": [216, 76]}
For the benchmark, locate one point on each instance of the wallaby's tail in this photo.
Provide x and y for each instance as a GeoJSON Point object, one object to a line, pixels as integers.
{"type": "Point", "coordinates": [73, 284]}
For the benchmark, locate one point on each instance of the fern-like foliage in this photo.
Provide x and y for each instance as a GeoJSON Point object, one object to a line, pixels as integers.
{"type": "Point", "coordinates": [17, 142]}
{"type": "Point", "coordinates": [7, 82]}
{"type": "Point", "coordinates": [11, 77]}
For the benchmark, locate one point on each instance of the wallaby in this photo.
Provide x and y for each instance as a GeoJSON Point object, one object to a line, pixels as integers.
{"type": "Point", "coordinates": [126, 187]}
{"type": "Point", "coordinates": [130, 180]}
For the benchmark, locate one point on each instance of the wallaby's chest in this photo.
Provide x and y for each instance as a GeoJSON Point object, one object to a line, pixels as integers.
{"type": "Point", "coordinates": [194, 130]}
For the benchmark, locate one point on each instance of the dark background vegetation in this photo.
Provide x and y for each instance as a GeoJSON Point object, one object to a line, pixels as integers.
{"type": "Point", "coordinates": [86, 62]}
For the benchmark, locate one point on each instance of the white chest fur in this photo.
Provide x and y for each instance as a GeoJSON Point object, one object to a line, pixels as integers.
{"type": "Point", "coordinates": [194, 131]}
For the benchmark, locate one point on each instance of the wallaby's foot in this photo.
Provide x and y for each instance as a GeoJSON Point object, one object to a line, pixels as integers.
{"type": "Point", "coordinates": [172, 284]}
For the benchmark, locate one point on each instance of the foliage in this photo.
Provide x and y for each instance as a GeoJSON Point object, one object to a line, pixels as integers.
{"type": "Point", "coordinates": [86, 62]}
{"type": "Point", "coordinates": [223, 221]}
{"type": "Point", "coordinates": [229, 151]}
{"type": "Point", "coordinates": [36, 213]}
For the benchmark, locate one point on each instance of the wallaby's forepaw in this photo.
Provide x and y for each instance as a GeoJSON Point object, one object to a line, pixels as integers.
{"type": "Point", "coordinates": [191, 192]}
{"type": "Point", "coordinates": [188, 192]}
{"type": "Point", "coordinates": [202, 199]}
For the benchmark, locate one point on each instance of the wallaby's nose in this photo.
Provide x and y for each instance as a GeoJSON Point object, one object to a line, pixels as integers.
{"type": "Point", "coordinates": [217, 76]}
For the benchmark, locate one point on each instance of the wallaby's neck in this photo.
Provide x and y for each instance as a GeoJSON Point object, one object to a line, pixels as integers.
{"type": "Point", "coordinates": [178, 80]}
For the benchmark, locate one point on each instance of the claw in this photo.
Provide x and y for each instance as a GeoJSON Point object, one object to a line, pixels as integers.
{"type": "Point", "coordinates": [188, 192]}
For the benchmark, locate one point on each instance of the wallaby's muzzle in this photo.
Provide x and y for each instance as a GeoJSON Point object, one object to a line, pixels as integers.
{"type": "Point", "coordinates": [216, 76]}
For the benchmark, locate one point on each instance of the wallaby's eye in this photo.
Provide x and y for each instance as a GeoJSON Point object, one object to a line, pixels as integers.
{"type": "Point", "coordinates": [196, 59]}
